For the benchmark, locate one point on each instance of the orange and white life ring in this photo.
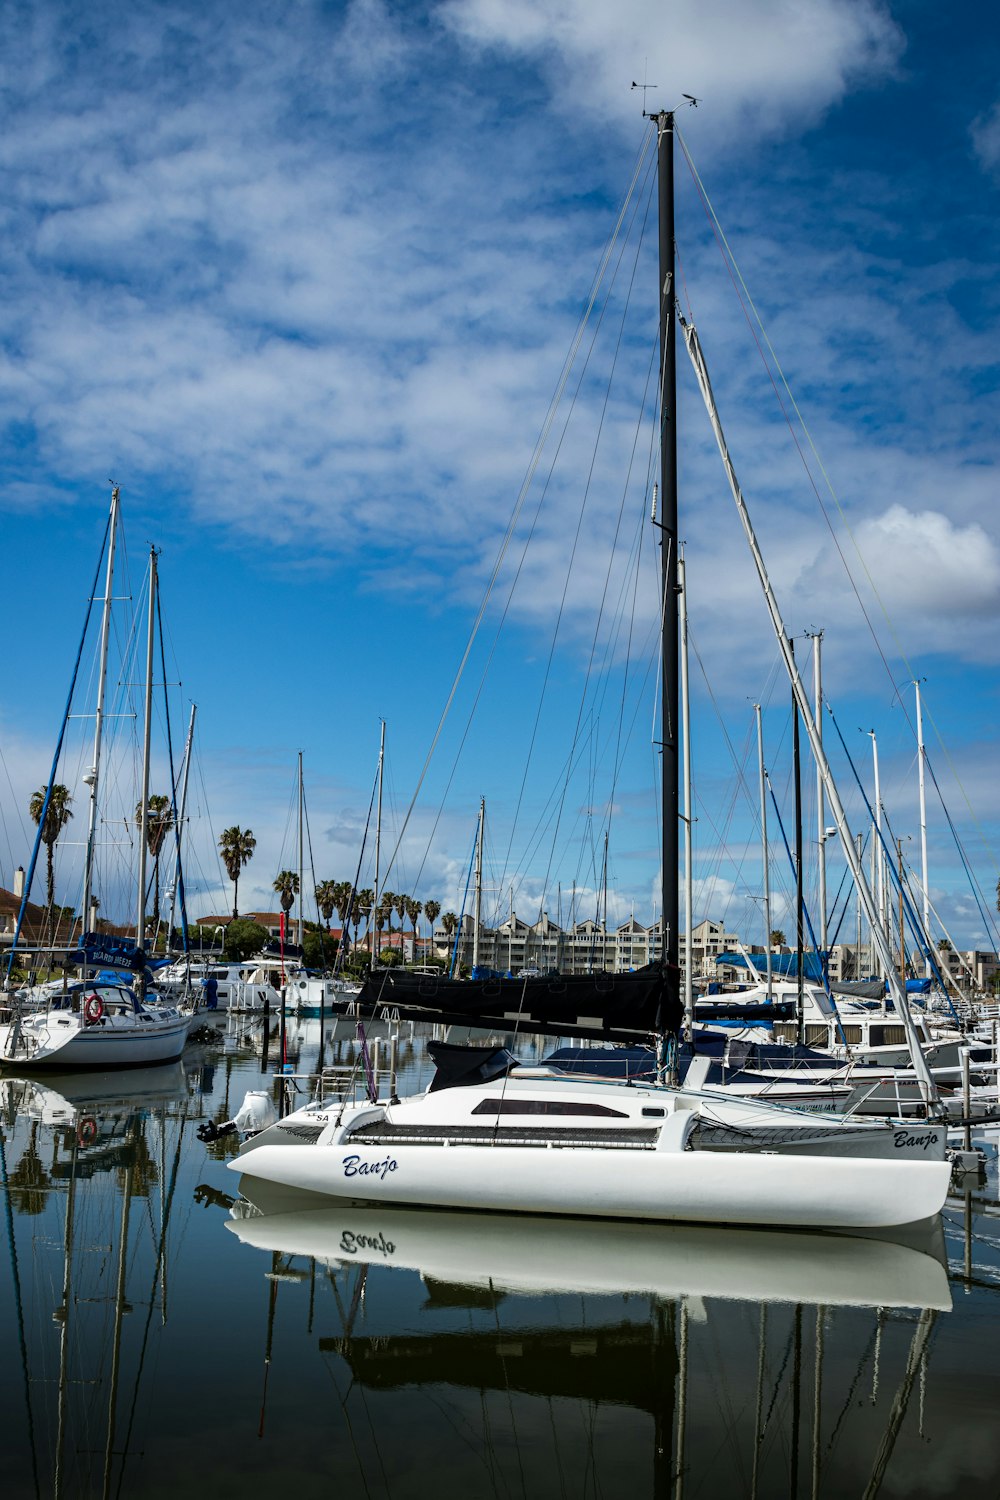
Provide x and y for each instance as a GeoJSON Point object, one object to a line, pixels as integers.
{"type": "Point", "coordinates": [86, 1131]}
{"type": "Point", "coordinates": [93, 1010]}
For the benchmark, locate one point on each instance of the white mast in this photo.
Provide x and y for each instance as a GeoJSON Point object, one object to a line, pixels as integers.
{"type": "Point", "coordinates": [817, 641]}
{"type": "Point", "coordinates": [182, 812]}
{"type": "Point", "coordinates": [378, 836]}
{"type": "Point", "coordinates": [687, 815]}
{"type": "Point", "coordinates": [302, 876]}
{"type": "Point", "coordinates": [878, 850]}
{"type": "Point", "coordinates": [478, 907]}
{"type": "Point", "coordinates": [921, 755]}
{"type": "Point", "coordinates": [857, 921]}
{"type": "Point", "coordinates": [93, 777]}
{"type": "Point", "coordinates": [765, 862]}
{"type": "Point", "coordinates": [140, 921]}
{"type": "Point", "coordinates": [925, 1082]}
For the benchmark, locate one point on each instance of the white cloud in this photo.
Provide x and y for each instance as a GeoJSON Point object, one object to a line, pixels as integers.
{"type": "Point", "coordinates": [985, 133]}
{"type": "Point", "coordinates": [758, 66]}
{"type": "Point", "coordinates": [924, 559]}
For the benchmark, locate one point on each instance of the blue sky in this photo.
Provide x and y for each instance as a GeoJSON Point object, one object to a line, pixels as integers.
{"type": "Point", "coordinates": [302, 281]}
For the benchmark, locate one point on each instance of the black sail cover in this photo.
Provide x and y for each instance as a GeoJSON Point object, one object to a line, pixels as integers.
{"type": "Point", "coordinates": [642, 1003]}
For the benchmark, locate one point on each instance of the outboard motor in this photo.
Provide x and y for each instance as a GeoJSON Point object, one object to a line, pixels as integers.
{"type": "Point", "coordinates": [255, 1114]}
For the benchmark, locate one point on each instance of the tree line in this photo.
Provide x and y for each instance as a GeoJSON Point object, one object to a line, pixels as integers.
{"type": "Point", "coordinates": [355, 908]}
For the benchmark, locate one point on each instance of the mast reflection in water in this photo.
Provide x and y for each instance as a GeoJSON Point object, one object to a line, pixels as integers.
{"type": "Point", "coordinates": [161, 1337]}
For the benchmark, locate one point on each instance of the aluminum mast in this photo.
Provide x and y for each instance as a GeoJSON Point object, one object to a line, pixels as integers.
{"type": "Point", "coordinates": [94, 775]}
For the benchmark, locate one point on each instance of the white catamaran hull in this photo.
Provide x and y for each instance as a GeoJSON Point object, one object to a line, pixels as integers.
{"type": "Point", "coordinates": [663, 1185]}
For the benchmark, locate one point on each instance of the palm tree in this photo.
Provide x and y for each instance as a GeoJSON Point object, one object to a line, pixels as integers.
{"type": "Point", "coordinates": [358, 913]}
{"type": "Point", "coordinates": [236, 847]}
{"type": "Point", "coordinates": [326, 899]}
{"type": "Point", "coordinates": [57, 815]}
{"type": "Point", "coordinates": [159, 821]}
{"type": "Point", "coordinates": [413, 910]}
{"type": "Point", "coordinates": [287, 886]}
{"type": "Point", "coordinates": [383, 913]}
{"type": "Point", "coordinates": [778, 938]}
{"type": "Point", "coordinates": [400, 908]}
{"type": "Point", "coordinates": [344, 896]}
{"type": "Point", "coordinates": [450, 924]}
{"type": "Point", "coordinates": [363, 904]}
{"type": "Point", "coordinates": [432, 910]}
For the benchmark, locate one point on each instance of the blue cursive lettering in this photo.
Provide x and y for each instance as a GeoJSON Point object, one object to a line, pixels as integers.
{"type": "Point", "coordinates": [355, 1167]}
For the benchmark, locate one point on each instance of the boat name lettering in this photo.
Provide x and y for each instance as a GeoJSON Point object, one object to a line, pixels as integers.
{"type": "Point", "coordinates": [352, 1243]}
{"type": "Point", "coordinates": [901, 1140]}
{"type": "Point", "coordinates": [355, 1167]}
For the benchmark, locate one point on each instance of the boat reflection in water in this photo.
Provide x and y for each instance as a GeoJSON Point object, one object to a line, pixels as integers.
{"type": "Point", "coordinates": [543, 1254]}
{"type": "Point", "coordinates": [635, 1324]}
{"type": "Point", "coordinates": [88, 1171]}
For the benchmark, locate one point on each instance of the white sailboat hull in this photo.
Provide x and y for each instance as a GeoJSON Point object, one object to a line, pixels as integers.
{"type": "Point", "coordinates": [58, 1045]}
{"type": "Point", "coordinates": [663, 1185]}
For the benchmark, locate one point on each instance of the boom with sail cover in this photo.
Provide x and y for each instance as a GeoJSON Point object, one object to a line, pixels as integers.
{"type": "Point", "coordinates": [618, 1006]}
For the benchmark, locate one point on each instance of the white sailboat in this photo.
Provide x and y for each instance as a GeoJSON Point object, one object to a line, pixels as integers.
{"type": "Point", "coordinates": [538, 1141]}
{"type": "Point", "coordinates": [90, 1024]}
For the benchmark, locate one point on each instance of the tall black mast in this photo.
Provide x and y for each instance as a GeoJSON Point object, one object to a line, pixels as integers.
{"type": "Point", "coordinates": [668, 542]}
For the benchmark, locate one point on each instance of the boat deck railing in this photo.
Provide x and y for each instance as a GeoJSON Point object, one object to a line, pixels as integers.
{"type": "Point", "coordinates": [339, 1084]}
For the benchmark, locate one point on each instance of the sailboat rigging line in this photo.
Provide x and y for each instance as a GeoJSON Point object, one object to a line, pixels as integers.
{"type": "Point", "coordinates": [945, 973]}
{"type": "Point", "coordinates": [958, 781]}
{"type": "Point", "coordinates": [345, 919]}
{"type": "Point", "coordinates": [987, 919]}
{"type": "Point", "coordinates": [923, 939]}
{"type": "Point", "coordinates": [18, 1303]}
{"type": "Point", "coordinates": [157, 1269]}
{"type": "Point", "coordinates": [742, 292]}
{"type": "Point", "coordinates": [901, 1400]}
{"type": "Point", "coordinates": [522, 496]}
{"type": "Point", "coordinates": [739, 765]}
{"type": "Point", "coordinates": [812, 935]}
{"type": "Point", "coordinates": [836, 902]}
{"type": "Point", "coordinates": [500, 625]}
{"type": "Point", "coordinates": [928, 1089]}
{"type": "Point", "coordinates": [733, 267]}
{"type": "Point", "coordinates": [777, 1384]}
{"type": "Point", "coordinates": [312, 867]}
{"type": "Point", "coordinates": [173, 780]}
{"type": "Point", "coordinates": [465, 896]}
{"type": "Point", "coordinates": [55, 762]}
{"type": "Point", "coordinates": [848, 1403]}
{"type": "Point", "coordinates": [587, 488]}
{"type": "Point", "coordinates": [503, 1084]}
{"type": "Point", "coordinates": [371, 1086]}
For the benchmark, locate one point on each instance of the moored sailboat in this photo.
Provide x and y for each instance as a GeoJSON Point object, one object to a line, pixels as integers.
{"type": "Point", "coordinates": [94, 1024]}
{"type": "Point", "coordinates": [539, 1141]}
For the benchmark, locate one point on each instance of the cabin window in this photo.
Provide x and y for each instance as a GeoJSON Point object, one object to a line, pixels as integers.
{"type": "Point", "coordinates": [886, 1036]}
{"type": "Point", "coordinates": [852, 1035]}
{"type": "Point", "coordinates": [545, 1107]}
{"type": "Point", "coordinates": [653, 1114]}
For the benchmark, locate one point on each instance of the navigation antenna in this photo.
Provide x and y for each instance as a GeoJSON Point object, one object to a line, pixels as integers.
{"type": "Point", "coordinates": [690, 102]}
{"type": "Point", "coordinates": [645, 89]}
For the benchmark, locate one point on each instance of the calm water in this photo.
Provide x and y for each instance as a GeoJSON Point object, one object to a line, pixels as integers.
{"type": "Point", "coordinates": [161, 1338]}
